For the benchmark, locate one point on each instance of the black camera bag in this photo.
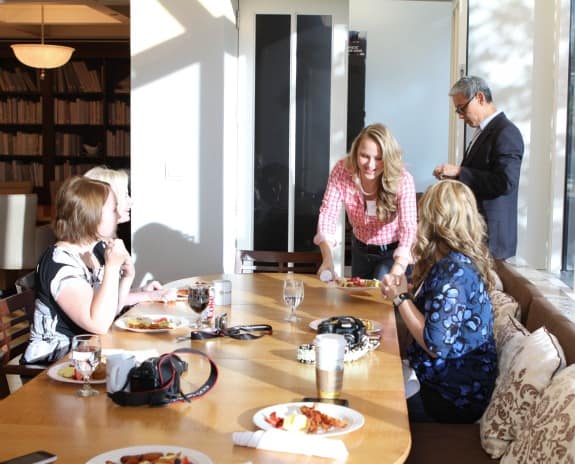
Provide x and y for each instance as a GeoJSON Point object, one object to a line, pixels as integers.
{"type": "Point", "coordinates": [352, 328]}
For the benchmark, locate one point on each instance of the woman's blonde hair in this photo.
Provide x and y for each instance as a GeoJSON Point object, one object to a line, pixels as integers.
{"type": "Point", "coordinates": [450, 221]}
{"type": "Point", "coordinates": [79, 204]}
{"type": "Point", "coordinates": [386, 201]}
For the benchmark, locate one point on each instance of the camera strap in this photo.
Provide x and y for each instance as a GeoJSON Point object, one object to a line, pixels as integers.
{"type": "Point", "coordinates": [240, 332]}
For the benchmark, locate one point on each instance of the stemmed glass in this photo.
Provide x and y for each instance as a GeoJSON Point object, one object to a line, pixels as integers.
{"type": "Point", "coordinates": [86, 353]}
{"type": "Point", "coordinates": [293, 296]}
{"type": "Point", "coordinates": [198, 299]}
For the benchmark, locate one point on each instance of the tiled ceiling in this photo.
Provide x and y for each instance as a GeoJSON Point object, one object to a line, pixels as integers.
{"type": "Point", "coordinates": [65, 20]}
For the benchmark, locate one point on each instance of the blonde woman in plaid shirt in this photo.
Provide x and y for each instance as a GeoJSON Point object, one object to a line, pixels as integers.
{"type": "Point", "coordinates": [379, 198]}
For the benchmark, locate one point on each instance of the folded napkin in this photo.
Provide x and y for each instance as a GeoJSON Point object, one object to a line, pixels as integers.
{"type": "Point", "coordinates": [410, 380]}
{"type": "Point", "coordinates": [140, 355]}
{"type": "Point", "coordinates": [292, 442]}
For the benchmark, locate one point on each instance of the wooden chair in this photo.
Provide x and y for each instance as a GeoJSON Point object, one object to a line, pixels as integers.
{"type": "Point", "coordinates": [16, 312]}
{"type": "Point", "coordinates": [304, 262]}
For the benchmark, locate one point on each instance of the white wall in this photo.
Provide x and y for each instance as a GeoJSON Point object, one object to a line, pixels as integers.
{"type": "Point", "coordinates": [521, 48]}
{"type": "Point", "coordinates": [407, 76]}
{"type": "Point", "coordinates": [183, 62]}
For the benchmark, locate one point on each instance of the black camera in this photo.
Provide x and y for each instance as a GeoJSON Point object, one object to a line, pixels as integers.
{"type": "Point", "coordinates": [352, 328]}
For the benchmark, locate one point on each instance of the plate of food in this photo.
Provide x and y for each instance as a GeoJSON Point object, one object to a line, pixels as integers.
{"type": "Point", "coordinates": [151, 454]}
{"type": "Point", "coordinates": [151, 323]}
{"type": "Point", "coordinates": [323, 419]}
{"type": "Point", "coordinates": [370, 325]}
{"type": "Point", "coordinates": [356, 283]}
{"type": "Point", "coordinates": [65, 372]}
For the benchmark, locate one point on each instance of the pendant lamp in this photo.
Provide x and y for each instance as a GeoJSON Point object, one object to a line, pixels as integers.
{"type": "Point", "coordinates": [40, 55]}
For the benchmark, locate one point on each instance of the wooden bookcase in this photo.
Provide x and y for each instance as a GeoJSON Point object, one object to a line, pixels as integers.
{"type": "Point", "coordinates": [75, 118]}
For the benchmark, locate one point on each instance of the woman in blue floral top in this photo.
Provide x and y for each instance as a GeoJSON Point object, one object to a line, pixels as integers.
{"type": "Point", "coordinates": [450, 316]}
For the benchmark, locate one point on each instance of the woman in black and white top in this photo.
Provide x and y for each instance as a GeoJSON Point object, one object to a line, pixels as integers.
{"type": "Point", "coordinates": [78, 291]}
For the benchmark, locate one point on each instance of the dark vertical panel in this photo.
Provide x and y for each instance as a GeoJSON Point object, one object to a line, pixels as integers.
{"type": "Point", "coordinates": [313, 89]}
{"type": "Point", "coordinates": [271, 167]}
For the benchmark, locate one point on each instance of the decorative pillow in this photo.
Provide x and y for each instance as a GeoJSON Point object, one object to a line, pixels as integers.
{"type": "Point", "coordinates": [509, 335]}
{"type": "Point", "coordinates": [548, 435]}
{"type": "Point", "coordinates": [497, 279]}
{"type": "Point", "coordinates": [504, 305]}
{"type": "Point", "coordinates": [530, 370]}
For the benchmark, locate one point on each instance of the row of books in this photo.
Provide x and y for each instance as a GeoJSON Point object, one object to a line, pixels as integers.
{"type": "Point", "coordinates": [118, 143]}
{"type": "Point", "coordinates": [16, 171]}
{"type": "Point", "coordinates": [78, 111]}
{"type": "Point", "coordinates": [19, 111]}
{"type": "Point", "coordinates": [20, 143]}
{"type": "Point", "coordinates": [118, 113]}
{"type": "Point", "coordinates": [63, 171]}
{"type": "Point", "coordinates": [76, 77]}
{"type": "Point", "coordinates": [18, 80]}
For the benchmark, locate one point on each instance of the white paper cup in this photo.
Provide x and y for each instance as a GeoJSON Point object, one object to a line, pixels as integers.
{"type": "Point", "coordinates": [329, 354]}
{"type": "Point", "coordinates": [222, 292]}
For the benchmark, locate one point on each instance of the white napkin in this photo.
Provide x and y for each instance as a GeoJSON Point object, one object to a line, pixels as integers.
{"type": "Point", "coordinates": [410, 380]}
{"type": "Point", "coordinates": [140, 355]}
{"type": "Point", "coordinates": [292, 442]}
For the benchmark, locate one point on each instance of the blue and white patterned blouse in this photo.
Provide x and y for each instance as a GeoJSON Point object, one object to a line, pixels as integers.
{"type": "Point", "coordinates": [459, 330]}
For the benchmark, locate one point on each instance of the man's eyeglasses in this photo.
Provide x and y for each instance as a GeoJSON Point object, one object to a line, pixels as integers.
{"type": "Point", "coordinates": [461, 109]}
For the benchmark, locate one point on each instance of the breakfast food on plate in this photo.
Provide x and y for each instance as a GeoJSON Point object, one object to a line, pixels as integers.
{"type": "Point", "coordinates": [183, 293]}
{"type": "Point", "coordinates": [308, 420]}
{"type": "Point", "coordinates": [149, 323]}
{"type": "Point", "coordinates": [153, 458]}
{"type": "Point", "coordinates": [69, 372]}
{"type": "Point", "coordinates": [357, 282]}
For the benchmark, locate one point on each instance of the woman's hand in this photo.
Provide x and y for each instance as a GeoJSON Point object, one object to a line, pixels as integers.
{"type": "Point", "coordinates": [151, 286]}
{"type": "Point", "coordinates": [165, 295]}
{"type": "Point", "coordinates": [392, 285]}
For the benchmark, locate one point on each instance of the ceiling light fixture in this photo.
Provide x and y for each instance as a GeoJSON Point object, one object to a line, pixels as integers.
{"type": "Point", "coordinates": [42, 56]}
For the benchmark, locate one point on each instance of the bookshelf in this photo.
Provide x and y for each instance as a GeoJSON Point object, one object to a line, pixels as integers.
{"type": "Point", "coordinates": [77, 117]}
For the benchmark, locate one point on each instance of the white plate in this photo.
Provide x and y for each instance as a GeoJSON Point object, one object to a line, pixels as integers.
{"type": "Point", "coordinates": [53, 374]}
{"type": "Point", "coordinates": [353, 418]}
{"type": "Point", "coordinates": [376, 326]}
{"type": "Point", "coordinates": [195, 456]}
{"type": "Point", "coordinates": [177, 322]}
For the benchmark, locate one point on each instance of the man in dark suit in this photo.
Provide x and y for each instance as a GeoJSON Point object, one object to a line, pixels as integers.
{"type": "Point", "coordinates": [491, 164]}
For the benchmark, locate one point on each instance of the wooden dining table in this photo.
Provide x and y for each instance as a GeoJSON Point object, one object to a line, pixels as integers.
{"type": "Point", "coordinates": [253, 374]}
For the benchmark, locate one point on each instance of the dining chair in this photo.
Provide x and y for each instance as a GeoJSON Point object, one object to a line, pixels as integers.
{"type": "Point", "coordinates": [16, 313]}
{"type": "Point", "coordinates": [304, 262]}
{"type": "Point", "coordinates": [17, 236]}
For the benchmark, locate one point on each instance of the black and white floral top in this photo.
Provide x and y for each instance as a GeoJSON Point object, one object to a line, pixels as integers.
{"type": "Point", "coordinates": [52, 329]}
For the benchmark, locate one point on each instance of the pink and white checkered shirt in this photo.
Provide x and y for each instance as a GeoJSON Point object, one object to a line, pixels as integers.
{"type": "Point", "coordinates": [368, 229]}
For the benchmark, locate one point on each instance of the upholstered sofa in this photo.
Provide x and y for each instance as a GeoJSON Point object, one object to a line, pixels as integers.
{"type": "Point", "coordinates": [543, 427]}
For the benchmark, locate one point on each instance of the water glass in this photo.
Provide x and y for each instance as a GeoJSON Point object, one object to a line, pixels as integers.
{"type": "Point", "coordinates": [86, 354]}
{"type": "Point", "coordinates": [293, 296]}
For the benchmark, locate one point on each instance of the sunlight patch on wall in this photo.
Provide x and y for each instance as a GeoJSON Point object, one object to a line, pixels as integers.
{"type": "Point", "coordinates": [166, 26]}
{"type": "Point", "coordinates": [173, 151]}
{"type": "Point", "coordinates": [219, 8]}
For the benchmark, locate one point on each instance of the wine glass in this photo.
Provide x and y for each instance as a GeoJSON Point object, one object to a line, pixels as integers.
{"type": "Point", "coordinates": [293, 296]}
{"type": "Point", "coordinates": [198, 299]}
{"type": "Point", "coordinates": [86, 353]}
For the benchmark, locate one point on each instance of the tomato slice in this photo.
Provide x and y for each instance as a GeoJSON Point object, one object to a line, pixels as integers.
{"type": "Point", "coordinates": [274, 420]}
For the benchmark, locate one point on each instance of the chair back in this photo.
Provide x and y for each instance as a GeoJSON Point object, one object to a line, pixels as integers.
{"type": "Point", "coordinates": [303, 262]}
{"type": "Point", "coordinates": [16, 315]}
{"type": "Point", "coordinates": [18, 231]}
